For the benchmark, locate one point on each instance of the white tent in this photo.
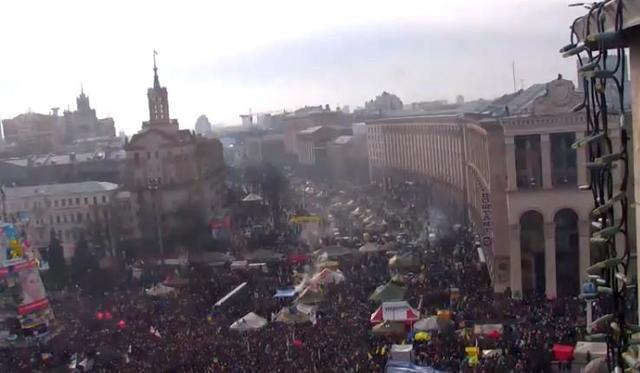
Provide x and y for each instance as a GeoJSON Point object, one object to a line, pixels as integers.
{"type": "Point", "coordinates": [160, 290]}
{"type": "Point", "coordinates": [402, 352]}
{"type": "Point", "coordinates": [248, 322]}
{"type": "Point", "coordinates": [327, 276]}
{"type": "Point", "coordinates": [251, 197]}
{"type": "Point", "coordinates": [428, 324]}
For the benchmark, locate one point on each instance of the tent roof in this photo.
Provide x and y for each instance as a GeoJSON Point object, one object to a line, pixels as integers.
{"type": "Point", "coordinates": [327, 276]}
{"type": "Point", "coordinates": [309, 296]}
{"type": "Point", "coordinates": [371, 247]}
{"type": "Point", "coordinates": [388, 327]}
{"type": "Point", "coordinates": [395, 366]}
{"type": "Point", "coordinates": [264, 255]}
{"type": "Point", "coordinates": [388, 292]}
{"type": "Point", "coordinates": [251, 197]}
{"type": "Point", "coordinates": [296, 317]}
{"type": "Point", "coordinates": [285, 293]}
{"type": "Point", "coordinates": [250, 321]}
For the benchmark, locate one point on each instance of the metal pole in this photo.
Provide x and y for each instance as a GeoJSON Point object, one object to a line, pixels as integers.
{"type": "Point", "coordinates": [4, 203]}
{"type": "Point", "coordinates": [154, 187]}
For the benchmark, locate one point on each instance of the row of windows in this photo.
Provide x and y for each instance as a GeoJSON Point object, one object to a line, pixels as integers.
{"type": "Point", "coordinates": [70, 201]}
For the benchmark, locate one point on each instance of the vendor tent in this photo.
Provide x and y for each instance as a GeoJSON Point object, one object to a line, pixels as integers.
{"type": "Point", "coordinates": [395, 311]}
{"type": "Point", "coordinates": [489, 330]}
{"type": "Point", "coordinates": [388, 292]}
{"type": "Point", "coordinates": [248, 322]}
{"type": "Point", "coordinates": [327, 276]}
{"type": "Point", "coordinates": [370, 247]}
{"type": "Point", "coordinates": [389, 328]}
{"type": "Point", "coordinates": [291, 316]}
{"type": "Point", "coordinates": [309, 296]}
{"type": "Point", "coordinates": [160, 290]}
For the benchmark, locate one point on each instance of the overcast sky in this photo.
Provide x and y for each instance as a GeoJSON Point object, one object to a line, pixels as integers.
{"type": "Point", "coordinates": [221, 58]}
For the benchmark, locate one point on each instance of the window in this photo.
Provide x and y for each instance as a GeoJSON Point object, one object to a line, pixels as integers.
{"type": "Point", "coordinates": [563, 159]}
{"type": "Point", "coordinates": [57, 218]}
{"type": "Point", "coordinates": [136, 158]}
{"type": "Point", "coordinates": [104, 199]}
{"type": "Point", "coordinates": [70, 201]}
{"type": "Point", "coordinates": [77, 200]}
{"type": "Point", "coordinates": [157, 155]}
{"type": "Point", "coordinates": [59, 234]}
{"type": "Point", "coordinates": [86, 200]}
{"type": "Point", "coordinates": [148, 155]}
{"type": "Point", "coordinates": [88, 217]}
{"type": "Point", "coordinates": [66, 235]}
{"type": "Point", "coordinates": [72, 217]}
{"type": "Point", "coordinates": [64, 218]}
{"type": "Point", "coordinates": [47, 203]}
{"type": "Point", "coordinates": [95, 200]}
{"type": "Point", "coordinates": [528, 162]}
{"type": "Point", "coordinates": [63, 202]}
{"type": "Point", "coordinates": [50, 219]}
{"type": "Point", "coordinates": [79, 219]}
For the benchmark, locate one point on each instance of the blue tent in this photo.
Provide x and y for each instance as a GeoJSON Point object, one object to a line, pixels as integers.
{"type": "Point", "coordinates": [285, 293]}
{"type": "Point", "coordinates": [395, 366]}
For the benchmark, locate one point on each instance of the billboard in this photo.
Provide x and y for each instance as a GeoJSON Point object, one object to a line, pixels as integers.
{"type": "Point", "coordinates": [33, 293]}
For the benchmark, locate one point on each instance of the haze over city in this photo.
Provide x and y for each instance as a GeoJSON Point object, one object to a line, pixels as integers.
{"type": "Point", "coordinates": [224, 58]}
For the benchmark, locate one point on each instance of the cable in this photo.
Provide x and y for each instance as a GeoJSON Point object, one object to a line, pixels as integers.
{"type": "Point", "coordinates": [603, 158]}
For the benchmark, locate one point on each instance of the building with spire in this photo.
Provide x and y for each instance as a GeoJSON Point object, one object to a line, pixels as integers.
{"type": "Point", "coordinates": [83, 123]}
{"type": "Point", "coordinates": [171, 170]}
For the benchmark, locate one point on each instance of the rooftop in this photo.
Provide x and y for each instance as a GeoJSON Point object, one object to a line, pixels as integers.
{"type": "Point", "coordinates": [310, 130]}
{"type": "Point", "coordinates": [60, 189]}
{"type": "Point", "coordinates": [341, 140]}
{"type": "Point", "coordinates": [59, 159]}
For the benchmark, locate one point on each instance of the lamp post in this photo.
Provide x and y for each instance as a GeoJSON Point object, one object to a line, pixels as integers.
{"type": "Point", "coordinates": [154, 186]}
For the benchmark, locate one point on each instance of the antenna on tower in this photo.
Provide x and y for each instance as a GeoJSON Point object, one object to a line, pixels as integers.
{"type": "Point", "coordinates": [513, 72]}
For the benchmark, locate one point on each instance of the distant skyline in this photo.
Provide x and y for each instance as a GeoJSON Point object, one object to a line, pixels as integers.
{"type": "Point", "coordinates": [222, 59]}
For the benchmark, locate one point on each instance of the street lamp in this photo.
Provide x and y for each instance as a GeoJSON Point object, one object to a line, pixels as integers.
{"type": "Point", "coordinates": [154, 185]}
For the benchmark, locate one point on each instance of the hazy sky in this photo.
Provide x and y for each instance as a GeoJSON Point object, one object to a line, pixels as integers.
{"type": "Point", "coordinates": [221, 58]}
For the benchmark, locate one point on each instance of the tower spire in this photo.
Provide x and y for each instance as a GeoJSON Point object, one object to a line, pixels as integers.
{"type": "Point", "coordinates": [156, 81]}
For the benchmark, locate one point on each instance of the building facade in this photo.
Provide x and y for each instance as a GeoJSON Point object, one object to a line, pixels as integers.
{"type": "Point", "coordinates": [169, 169]}
{"type": "Point", "coordinates": [106, 166]}
{"type": "Point", "coordinates": [70, 210]}
{"type": "Point", "coordinates": [34, 133]}
{"type": "Point", "coordinates": [266, 148]}
{"type": "Point", "coordinates": [514, 177]}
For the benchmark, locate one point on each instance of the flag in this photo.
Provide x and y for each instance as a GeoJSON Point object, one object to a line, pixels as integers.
{"type": "Point", "coordinates": [155, 52]}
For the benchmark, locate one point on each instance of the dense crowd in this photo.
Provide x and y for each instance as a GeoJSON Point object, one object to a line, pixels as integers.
{"type": "Point", "coordinates": [185, 333]}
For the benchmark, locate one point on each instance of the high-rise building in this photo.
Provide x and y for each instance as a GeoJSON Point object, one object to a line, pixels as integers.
{"type": "Point", "coordinates": [203, 126]}
{"type": "Point", "coordinates": [83, 123]}
{"type": "Point", "coordinates": [170, 169]}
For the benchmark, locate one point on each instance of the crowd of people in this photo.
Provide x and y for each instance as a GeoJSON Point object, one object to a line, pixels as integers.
{"type": "Point", "coordinates": [185, 333]}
